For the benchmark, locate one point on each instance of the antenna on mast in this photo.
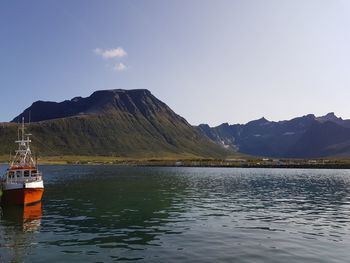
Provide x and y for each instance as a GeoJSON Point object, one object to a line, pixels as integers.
{"type": "Point", "coordinates": [22, 128]}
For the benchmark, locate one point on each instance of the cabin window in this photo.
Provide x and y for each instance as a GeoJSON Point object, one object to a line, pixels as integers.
{"type": "Point", "coordinates": [18, 174]}
{"type": "Point", "coordinates": [11, 175]}
{"type": "Point", "coordinates": [26, 173]}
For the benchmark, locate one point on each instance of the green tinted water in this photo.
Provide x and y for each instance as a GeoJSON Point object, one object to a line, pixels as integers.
{"type": "Point", "coordinates": [109, 213]}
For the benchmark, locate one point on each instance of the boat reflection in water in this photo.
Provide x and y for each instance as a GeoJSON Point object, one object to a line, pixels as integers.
{"type": "Point", "coordinates": [26, 218]}
{"type": "Point", "coordinates": [18, 230]}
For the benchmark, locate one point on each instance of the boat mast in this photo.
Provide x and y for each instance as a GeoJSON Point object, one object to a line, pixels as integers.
{"type": "Point", "coordinates": [23, 155]}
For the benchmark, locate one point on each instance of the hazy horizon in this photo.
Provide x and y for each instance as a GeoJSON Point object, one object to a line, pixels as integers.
{"type": "Point", "coordinates": [211, 62]}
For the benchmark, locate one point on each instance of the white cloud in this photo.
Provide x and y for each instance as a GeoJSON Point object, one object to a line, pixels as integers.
{"type": "Point", "coordinates": [120, 67]}
{"type": "Point", "coordinates": [115, 54]}
{"type": "Point", "coordinates": [118, 52]}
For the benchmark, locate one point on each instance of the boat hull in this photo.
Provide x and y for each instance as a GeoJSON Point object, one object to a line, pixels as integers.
{"type": "Point", "coordinates": [21, 196]}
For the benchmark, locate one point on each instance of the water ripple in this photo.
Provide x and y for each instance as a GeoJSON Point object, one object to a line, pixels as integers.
{"type": "Point", "coordinates": [108, 213]}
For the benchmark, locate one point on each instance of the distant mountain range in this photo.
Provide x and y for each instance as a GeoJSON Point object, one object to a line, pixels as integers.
{"type": "Point", "coordinates": [126, 123]}
{"type": "Point", "coordinates": [303, 137]}
{"type": "Point", "coordinates": [134, 123]}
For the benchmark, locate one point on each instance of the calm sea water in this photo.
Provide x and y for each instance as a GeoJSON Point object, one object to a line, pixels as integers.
{"type": "Point", "coordinates": [109, 213]}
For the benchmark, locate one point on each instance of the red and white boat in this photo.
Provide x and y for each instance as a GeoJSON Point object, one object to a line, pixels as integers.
{"type": "Point", "coordinates": [22, 184]}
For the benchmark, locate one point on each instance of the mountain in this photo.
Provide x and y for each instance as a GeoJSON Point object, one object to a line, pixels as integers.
{"type": "Point", "coordinates": [134, 123]}
{"type": "Point", "coordinates": [99, 103]}
{"type": "Point", "coordinates": [322, 139]}
{"type": "Point", "coordinates": [303, 137]}
{"type": "Point", "coordinates": [333, 118]}
{"type": "Point", "coordinates": [127, 123]}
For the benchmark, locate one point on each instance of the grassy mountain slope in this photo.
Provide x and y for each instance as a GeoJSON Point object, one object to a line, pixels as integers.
{"type": "Point", "coordinates": [114, 123]}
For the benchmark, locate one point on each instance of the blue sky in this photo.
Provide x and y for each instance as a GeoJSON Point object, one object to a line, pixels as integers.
{"type": "Point", "coordinates": [210, 61]}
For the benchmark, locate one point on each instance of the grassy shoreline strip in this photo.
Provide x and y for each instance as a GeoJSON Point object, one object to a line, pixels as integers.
{"type": "Point", "coordinates": [172, 161]}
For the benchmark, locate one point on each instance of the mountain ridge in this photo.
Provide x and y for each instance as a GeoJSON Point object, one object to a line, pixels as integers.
{"type": "Point", "coordinates": [288, 138]}
{"type": "Point", "coordinates": [99, 102]}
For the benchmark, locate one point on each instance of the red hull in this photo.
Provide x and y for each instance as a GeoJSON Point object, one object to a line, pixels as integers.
{"type": "Point", "coordinates": [23, 196]}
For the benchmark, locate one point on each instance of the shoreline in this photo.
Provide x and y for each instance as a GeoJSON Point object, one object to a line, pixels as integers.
{"type": "Point", "coordinates": [332, 163]}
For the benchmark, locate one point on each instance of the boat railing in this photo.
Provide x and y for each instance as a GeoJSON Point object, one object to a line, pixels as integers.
{"type": "Point", "coordinates": [33, 178]}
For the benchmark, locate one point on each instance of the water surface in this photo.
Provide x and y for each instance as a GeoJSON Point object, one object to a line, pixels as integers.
{"type": "Point", "coordinates": [110, 213]}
